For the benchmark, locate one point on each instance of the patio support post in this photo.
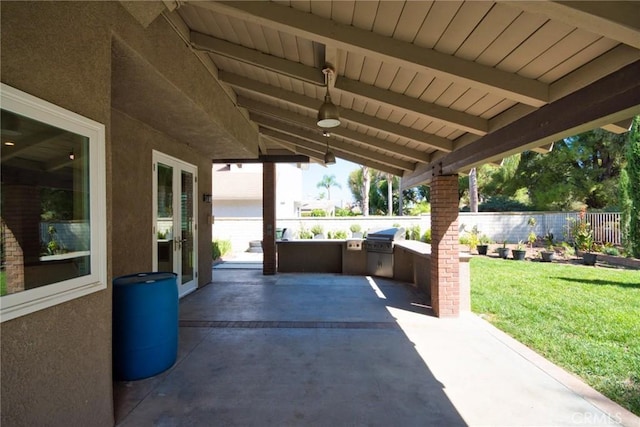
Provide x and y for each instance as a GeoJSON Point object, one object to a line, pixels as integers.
{"type": "Point", "coordinates": [445, 262]}
{"type": "Point", "coordinates": [269, 218]}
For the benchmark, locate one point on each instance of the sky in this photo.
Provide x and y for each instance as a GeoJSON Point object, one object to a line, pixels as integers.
{"type": "Point", "coordinates": [312, 176]}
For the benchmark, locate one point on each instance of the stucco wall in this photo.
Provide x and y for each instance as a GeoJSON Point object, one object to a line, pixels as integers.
{"type": "Point", "coordinates": [56, 363]}
{"type": "Point", "coordinates": [133, 142]}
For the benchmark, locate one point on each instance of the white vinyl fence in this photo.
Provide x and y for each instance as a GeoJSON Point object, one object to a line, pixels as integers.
{"type": "Point", "coordinates": [498, 226]}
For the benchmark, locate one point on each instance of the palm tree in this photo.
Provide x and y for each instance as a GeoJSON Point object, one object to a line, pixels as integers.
{"type": "Point", "coordinates": [327, 182]}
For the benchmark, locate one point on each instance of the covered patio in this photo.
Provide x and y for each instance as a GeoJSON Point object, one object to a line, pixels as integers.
{"type": "Point", "coordinates": [424, 90]}
{"type": "Point", "coordinates": [327, 350]}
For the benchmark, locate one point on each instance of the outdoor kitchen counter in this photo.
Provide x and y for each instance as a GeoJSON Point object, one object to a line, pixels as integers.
{"type": "Point", "coordinates": [412, 263]}
{"type": "Point", "coordinates": [310, 256]}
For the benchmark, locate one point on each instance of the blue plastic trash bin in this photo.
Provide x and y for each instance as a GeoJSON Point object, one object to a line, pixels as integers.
{"type": "Point", "coordinates": [145, 325]}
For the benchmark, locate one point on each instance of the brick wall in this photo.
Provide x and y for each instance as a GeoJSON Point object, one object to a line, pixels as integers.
{"type": "Point", "coordinates": [21, 232]}
{"type": "Point", "coordinates": [445, 268]}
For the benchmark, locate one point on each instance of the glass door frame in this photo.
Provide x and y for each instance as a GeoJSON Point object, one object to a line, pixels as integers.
{"type": "Point", "coordinates": [178, 166]}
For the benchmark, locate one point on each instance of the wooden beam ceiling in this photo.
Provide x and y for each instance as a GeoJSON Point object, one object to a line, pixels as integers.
{"type": "Point", "coordinates": [447, 116]}
{"type": "Point", "coordinates": [322, 141]}
{"type": "Point", "coordinates": [347, 155]}
{"type": "Point", "coordinates": [385, 49]}
{"type": "Point", "coordinates": [616, 20]}
{"type": "Point", "coordinates": [310, 124]}
{"type": "Point", "coordinates": [312, 104]}
{"type": "Point", "coordinates": [608, 100]}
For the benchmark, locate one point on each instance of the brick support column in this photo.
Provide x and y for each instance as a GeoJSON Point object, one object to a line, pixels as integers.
{"type": "Point", "coordinates": [21, 233]}
{"type": "Point", "coordinates": [269, 218]}
{"type": "Point", "coordinates": [445, 254]}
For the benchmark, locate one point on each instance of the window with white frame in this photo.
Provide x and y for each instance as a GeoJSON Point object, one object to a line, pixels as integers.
{"type": "Point", "coordinates": [52, 205]}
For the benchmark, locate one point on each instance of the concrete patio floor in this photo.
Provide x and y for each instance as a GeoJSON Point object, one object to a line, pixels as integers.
{"type": "Point", "coordinates": [332, 350]}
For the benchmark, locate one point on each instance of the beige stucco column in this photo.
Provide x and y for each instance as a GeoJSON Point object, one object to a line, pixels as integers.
{"type": "Point", "coordinates": [445, 262]}
{"type": "Point", "coordinates": [269, 218]}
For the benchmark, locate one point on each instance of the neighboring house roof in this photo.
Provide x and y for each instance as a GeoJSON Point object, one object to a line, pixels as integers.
{"type": "Point", "coordinates": [310, 205]}
{"type": "Point", "coordinates": [236, 185]}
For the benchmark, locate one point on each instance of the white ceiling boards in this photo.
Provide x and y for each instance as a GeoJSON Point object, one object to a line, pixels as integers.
{"type": "Point", "coordinates": [422, 87]}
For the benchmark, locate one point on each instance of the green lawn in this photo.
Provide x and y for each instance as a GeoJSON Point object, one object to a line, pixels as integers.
{"type": "Point", "coordinates": [585, 319]}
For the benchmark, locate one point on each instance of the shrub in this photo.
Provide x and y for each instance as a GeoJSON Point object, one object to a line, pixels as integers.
{"type": "Point", "coordinates": [470, 238]}
{"type": "Point", "coordinates": [580, 231]}
{"type": "Point", "coordinates": [303, 233]}
{"type": "Point", "coordinates": [426, 237]}
{"type": "Point", "coordinates": [502, 204]}
{"type": "Point", "coordinates": [339, 234]}
{"type": "Point", "coordinates": [413, 233]}
{"type": "Point", "coordinates": [344, 212]}
{"type": "Point", "coordinates": [485, 240]}
{"type": "Point", "coordinates": [318, 212]}
{"type": "Point", "coordinates": [220, 248]}
{"type": "Point", "coordinates": [420, 208]}
{"type": "Point", "coordinates": [568, 249]}
{"type": "Point", "coordinates": [609, 249]}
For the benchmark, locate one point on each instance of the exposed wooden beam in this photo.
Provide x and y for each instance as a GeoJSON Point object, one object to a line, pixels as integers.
{"type": "Point", "coordinates": [608, 100]}
{"type": "Point", "coordinates": [334, 143]}
{"type": "Point", "coordinates": [315, 155]}
{"type": "Point", "coordinates": [310, 123]}
{"type": "Point", "coordinates": [312, 75]}
{"type": "Point", "coordinates": [610, 62]}
{"type": "Point", "coordinates": [622, 126]}
{"type": "Point", "coordinates": [428, 140]}
{"type": "Point", "coordinates": [338, 152]}
{"type": "Point", "coordinates": [615, 20]}
{"type": "Point", "coordinates": [456, 119]}
{"type": "Point", "coordinates": [414, 135]}
{"type": "Point", "coordinates": [255, 57]}
{"type": "Point", "coordinates": [543, 149]}
{"type": "Point", "coordinates": [269, 158]}
{"type": "Point", "coordinates": [385, 49]}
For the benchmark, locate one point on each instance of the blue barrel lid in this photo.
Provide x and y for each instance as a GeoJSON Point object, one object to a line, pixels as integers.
{"type": "Point", "coordinates": [139, 278]}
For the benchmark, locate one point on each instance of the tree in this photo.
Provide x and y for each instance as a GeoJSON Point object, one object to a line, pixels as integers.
{"type": "Point", "coordinates": [389, 194]}
{"type": "Point", "coordinates": [582, 170]}
{"type": "Point", "coordinates": [366, 188]}
{"type": "Point", "coordinates": [626, 208]}
{"type": "Point", "coordinates": [327, 182]}
{"type": "Point", "coordinates": [473, 190]}
{"type": "Point", "coordinates": [630, 191]}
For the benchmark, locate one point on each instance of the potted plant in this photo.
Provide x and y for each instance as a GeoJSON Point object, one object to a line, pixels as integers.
{"type": "Point", "coordinates": [519, 252]}
{"type": "Point", "coordinates": [583, 239]}
{"type": "Point", "coordinates": [356, 231]}
{"type": "Point", "coordinates": [483, 247]}
{"type": "Point", "coordinates": [547, 254]}
{"type": "Point", "coordinates": [503, 252]}
{"type": "Point", "coordinates": [317, 231]}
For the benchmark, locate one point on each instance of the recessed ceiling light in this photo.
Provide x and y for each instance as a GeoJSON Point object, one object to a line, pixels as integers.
{"type": "Point", "coordinates": [9, 143]}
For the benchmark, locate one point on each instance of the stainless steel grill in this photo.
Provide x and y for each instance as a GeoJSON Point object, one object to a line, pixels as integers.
{"type": "Point", "coordinates": [381, 241]}
{"type": "Point", "coordinates": [379, 247]}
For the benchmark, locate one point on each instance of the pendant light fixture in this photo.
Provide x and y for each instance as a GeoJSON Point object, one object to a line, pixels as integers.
{"type": "Point", "coordinates": [328, 116]}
